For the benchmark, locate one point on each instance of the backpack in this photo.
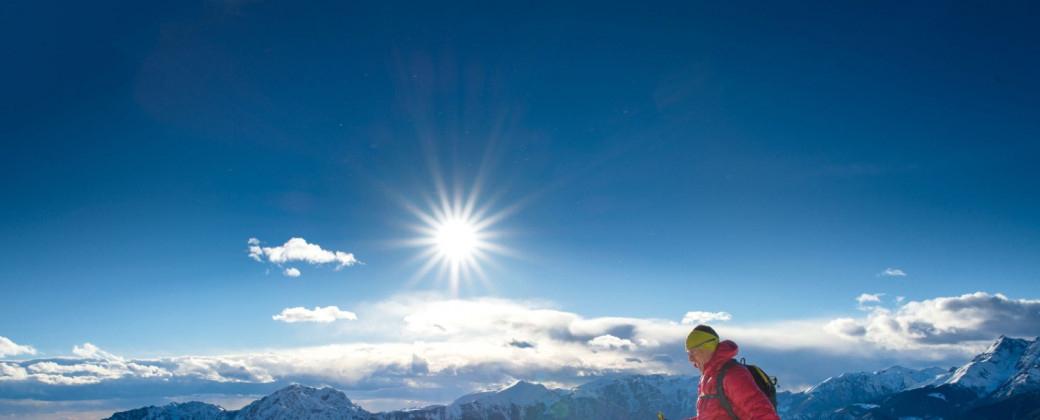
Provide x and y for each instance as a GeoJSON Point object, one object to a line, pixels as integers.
{"type": "Point", "coordinates": [765, 382]}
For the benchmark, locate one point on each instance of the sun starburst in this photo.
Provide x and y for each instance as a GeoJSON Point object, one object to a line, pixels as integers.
{"type": "Point", "coordinates": [457, 237]}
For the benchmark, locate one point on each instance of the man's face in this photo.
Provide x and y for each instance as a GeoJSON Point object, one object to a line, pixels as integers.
{"type": "Point", "coordinates": [699, 357]}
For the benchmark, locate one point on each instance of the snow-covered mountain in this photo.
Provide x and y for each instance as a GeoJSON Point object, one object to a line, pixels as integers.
{"type": "Point", "coordinates": [628, 397]}
{"type": "Point", "coordinates": [295, 402]}
{"type": "Point", "coordinates": [522, 400]}
{"type": "Point", "coordinates": [1001, 383]}
{"type": "Point", "coordinates": [623, 398]}
{"type": "Point", "coordinates": [1007, 368]}
{"type": "Point", "coordinates": [187, 411]}
{"type": "Point", "coordinates": [675, 396]}
{"type": "Point", "coordinates": [851, 388]}
{"type": "Point", "coordinates": [301, 402]}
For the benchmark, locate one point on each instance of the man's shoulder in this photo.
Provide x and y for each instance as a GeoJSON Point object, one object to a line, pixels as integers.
{"type": "Point", "coordinates": [733, 368]}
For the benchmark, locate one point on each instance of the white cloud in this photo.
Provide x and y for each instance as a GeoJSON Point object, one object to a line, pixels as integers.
{"type": "Point", "coordinates": [12, 372]}
{"type": "Point", "coordinates": [609, 342]}
{"type": "Point", "coordinates": [318, 314]}
{"type": "Point", "coordinates": [297, 249]}
{"type": "Point", "coordinates": [224, 369]}
{"type": "Point", "coordinates": [698, 317]}
{"type": "Point", "coordinates": [943, 322]}
{"type": "Point", "coordinates": [291, 272]}
{"type": "Point", "coordinates": [846, 328]}
{"type": "Point", "coordinates": [255, 252]}
{"type": "Point", "coordinates": [893, 272]}
{"type": "Point", "coordinates": [90, 351]}
{"type": "Point", "coordinates": [867, 302]}
{"type": "Point", "coordinates": [864, 298]}
{"type": "Point", "coordinates": [9, 348]}
{"type": "Point", "coordinates": [94, 366]}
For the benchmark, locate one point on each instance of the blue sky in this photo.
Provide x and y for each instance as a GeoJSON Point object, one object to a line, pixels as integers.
{"type": "Point", "coordinates": [803, 177]}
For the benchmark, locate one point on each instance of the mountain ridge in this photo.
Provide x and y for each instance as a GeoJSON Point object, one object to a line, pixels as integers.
{"type": "Point", "coordinates": [1001, 382]}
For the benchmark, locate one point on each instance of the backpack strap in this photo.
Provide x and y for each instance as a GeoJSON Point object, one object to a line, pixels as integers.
{"type": "Point", "coordinates": [720, 393]}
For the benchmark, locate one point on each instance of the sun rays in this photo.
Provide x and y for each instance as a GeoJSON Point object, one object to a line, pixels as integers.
{"type": "Point", "coordinates": [457, 236]}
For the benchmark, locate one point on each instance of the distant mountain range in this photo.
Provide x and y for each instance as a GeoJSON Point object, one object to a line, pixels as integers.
{"type": "Point", "coordinates": [1001, 383]}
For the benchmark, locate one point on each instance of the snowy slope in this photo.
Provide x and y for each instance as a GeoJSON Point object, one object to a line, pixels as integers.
{"type": "Point", "coordinates": [1009, 365]}
{"type": "Point", "coordinates": [629, 397]}
{"type": "Point", "coordinates": [859, 387]}
{"type": "Point", "coordinates": [521, 393]}
{"type": "Point", "coordinates": [999, 383]}
{"type": "Point", "coordinates": [644, 393]}
{"type": "Point", "coordinates": [522, 398]}
{"type": "Point", "coordinates": [185, 411]}
{"type": "Point", "coordinates": [301, 402]}
{"type": "Point", "coordinates": [1027, 378]}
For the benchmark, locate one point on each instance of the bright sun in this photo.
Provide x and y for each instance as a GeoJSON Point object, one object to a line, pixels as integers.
{"type": "Point", "coordinates": [456, 237]}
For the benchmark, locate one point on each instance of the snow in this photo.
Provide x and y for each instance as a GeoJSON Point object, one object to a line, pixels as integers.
{"type": "Point", "coordinates": [1008, 365]}
{"type": "Point", "coordinates": [301, 402]}
{"type": "Point", "coordinates": [869, 385]}
{"type": "Point", "coordinates": [469, 398]}
{"type": "Point", "coordinates": [521, 394]}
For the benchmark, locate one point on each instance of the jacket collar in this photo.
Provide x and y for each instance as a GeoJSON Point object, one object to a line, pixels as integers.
{"type": "Point", "coordinates": [725, 351]}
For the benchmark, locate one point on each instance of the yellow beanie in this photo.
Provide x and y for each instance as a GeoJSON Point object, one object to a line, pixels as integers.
{"type": "Point", "coordinates": [703, 337]}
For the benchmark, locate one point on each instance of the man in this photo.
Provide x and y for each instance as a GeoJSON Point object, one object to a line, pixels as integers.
{"type": "Point", "coordinates": [709, 355]}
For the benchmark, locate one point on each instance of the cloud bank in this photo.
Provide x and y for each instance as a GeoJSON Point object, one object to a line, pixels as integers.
{"type": "Point", "coordinates": [941, 322]}
{"type": "Point", "coordinates": [422, 349]}
{"type": "Point", "coordinates": [297, 249]}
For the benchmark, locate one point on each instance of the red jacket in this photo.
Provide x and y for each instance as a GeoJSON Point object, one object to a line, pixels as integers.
{"type": "Point", "coordinates": [748, 402]}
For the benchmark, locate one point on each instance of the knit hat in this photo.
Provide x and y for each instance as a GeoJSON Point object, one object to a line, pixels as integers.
{"type": "Point", "coordinates": [703, 337]}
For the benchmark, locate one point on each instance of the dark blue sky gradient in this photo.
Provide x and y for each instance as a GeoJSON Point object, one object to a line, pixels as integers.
{"type": "Point", "coordinates": [768, 160]}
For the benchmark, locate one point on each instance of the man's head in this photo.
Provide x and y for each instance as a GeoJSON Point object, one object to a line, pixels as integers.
{"type": "Point", "coordinates": [701, 345]}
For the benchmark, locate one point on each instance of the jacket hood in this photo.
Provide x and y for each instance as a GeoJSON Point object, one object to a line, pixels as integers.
{"type": "Point", "coordinates": [725, 351]}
